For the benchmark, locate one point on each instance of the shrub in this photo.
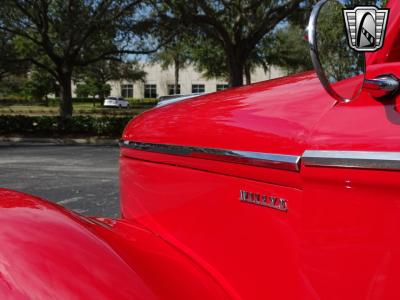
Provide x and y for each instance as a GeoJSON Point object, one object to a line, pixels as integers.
{"type": "Point", "coordinates": [55, 101]}
{"type": "Point", "coordinates": [52, 125]}
{"type": "Point", "coordinates": [10, 100]}
{"type": "Point", "coordinates": [149, 101]}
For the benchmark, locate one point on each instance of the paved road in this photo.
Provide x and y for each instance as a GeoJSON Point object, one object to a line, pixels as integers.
{"type": "Point", "coordinates": [82, 178]}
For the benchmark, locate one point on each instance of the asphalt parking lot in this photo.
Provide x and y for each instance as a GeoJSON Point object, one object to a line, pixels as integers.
{"type": "Point", "coordinates": [81, 178]}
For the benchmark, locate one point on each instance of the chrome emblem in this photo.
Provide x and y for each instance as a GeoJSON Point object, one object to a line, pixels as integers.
{"type": "Point", "coordinates": [264, 200]}
{"type": "Point", "coordinates": [366, 27]}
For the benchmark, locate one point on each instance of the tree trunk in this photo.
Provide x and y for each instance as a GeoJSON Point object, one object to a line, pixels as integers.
{"type": "Point", "coordinates": [247, 72]}
{"type": "Point", "coordinates": [236, 67]}
{"type": "Point", "coordinates": [66, 108]}
{"type": "Point", "coordinates": [177, 67]}
{"type": "Point", "coordinates": [102, 97]}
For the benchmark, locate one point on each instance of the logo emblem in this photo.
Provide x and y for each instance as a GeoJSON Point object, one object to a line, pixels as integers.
{"type": "Point", "coordinates": [263, 200]}
{"type": "Point", "coordinates": [366, 27]}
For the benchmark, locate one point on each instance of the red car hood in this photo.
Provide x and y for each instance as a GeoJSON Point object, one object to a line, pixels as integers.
{"type": "Point", "coordinates": [275, 116]}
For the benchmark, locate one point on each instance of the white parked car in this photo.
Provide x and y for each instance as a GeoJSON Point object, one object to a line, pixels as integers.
{"type": "Point", "coordinates": [116, 102]}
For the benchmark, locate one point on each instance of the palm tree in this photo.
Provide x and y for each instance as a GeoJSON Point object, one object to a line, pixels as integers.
{"type": "Point", "coordinates": [176, 54]}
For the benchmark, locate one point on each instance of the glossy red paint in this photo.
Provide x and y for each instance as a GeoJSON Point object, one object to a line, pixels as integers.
{"type": "Point", "coordinates": [246, 247]}
{"type": "Point", "coordinates": [351, 215]}
{"type": "Point", "coordinates": [390, 52]}
{"type": "Point", "coordinates": [265, 117]}
{"type": "Point", "coordinates": [50, 253]}
{"type": "Point", "coordinates": [338, 238]}
{"type": "Point", "coordinates": [47, 253]}
{"type": "Point", "coordinates": [375, 127]}
{"type": "Point", "coordinates": [185, 234]}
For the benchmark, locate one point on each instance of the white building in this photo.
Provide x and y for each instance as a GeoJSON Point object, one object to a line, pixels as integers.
{"type": "Point", "coordinates": [159, 82]}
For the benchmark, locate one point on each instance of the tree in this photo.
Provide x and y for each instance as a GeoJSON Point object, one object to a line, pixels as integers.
{"type": "Point", "coordinates": [210, 59]}
{"type": "Point", "coordinates": [13, 74]}
{"type": "Point", "coordinates": [9, 64]}
{"type": "Point", "coordinates": [286, 46]}
{"type": "Point", "coordinates": [92, 87]}
{"type": "Point", "coordinates": [176, 53]}
{"type": "Point", "coordinates": [93, 79]}
{"type": "Point", "coordinates": [236, 26]}
{"type": "Point", "coordinates": [39, 84]}
{"type": "Point", "coordinates": [86, 89]}
{"type": "Point", "coordinates": [59, 35]}
{"type": "Point", "coordinates": [289, 50]}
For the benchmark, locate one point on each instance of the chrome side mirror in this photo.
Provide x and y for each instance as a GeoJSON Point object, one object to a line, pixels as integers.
{"type": "Point", "coordinates": [339, 68]}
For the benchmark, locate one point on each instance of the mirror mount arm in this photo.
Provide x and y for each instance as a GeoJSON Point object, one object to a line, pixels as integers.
{"type": "Point", "coordinates": [382, 86]}
{"type": "Point", "coordinates": [312, 40]}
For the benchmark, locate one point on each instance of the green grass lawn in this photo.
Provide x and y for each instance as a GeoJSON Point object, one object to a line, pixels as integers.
{"type": "Point", "coordinates": [79, 109]}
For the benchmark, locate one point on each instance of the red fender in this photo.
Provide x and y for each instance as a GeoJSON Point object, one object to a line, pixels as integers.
{"type": "Point", "coordinates": [48, 252]}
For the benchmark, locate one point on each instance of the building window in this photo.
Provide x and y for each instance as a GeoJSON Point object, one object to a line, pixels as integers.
{"type": "Point", "coordinates": [171, 89]}
{"type": "Point", "coordinates": [198, 88]}
{"type": "Point", "coordinates": [221, 87]}
{"type": "Point", "coordinates": [150, 91]}
{"type": "Point", "coordinates": [127, 90]}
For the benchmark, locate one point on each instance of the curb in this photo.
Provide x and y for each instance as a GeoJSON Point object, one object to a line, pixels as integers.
{"type": "Point", "coordinates": [10, 141]}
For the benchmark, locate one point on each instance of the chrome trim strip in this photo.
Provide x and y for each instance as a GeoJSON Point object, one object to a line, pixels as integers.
{"type": "Point", "coordinates": [352, 159]}
{"type": "Point", "coordinates": [260, 159]}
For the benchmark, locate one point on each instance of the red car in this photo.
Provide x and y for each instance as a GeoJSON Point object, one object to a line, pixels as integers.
{"type": "Point", "coordinates": [276, 190]}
